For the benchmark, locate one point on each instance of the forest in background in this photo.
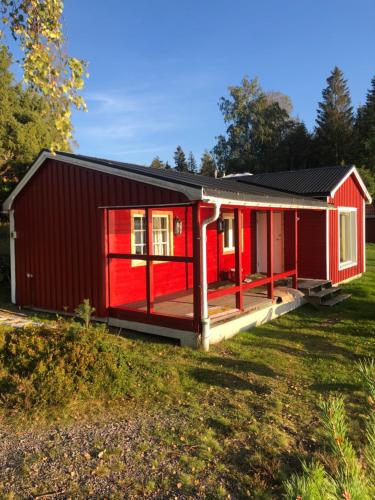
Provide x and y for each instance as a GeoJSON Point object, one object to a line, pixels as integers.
{"type": "Point", "coordinates": [263, 136]}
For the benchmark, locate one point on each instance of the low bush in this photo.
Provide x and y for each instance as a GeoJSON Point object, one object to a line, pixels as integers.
{"type": "Point", "coordinates": [49, 365]}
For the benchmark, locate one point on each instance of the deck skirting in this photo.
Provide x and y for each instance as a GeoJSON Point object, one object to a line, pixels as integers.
{"type": "Point", "coordinates": [245, 322]}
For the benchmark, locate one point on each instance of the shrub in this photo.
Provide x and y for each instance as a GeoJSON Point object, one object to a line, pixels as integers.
{"type": "Point", "coordinates": [48, 365]}
{"type": "Point", "coordinates": [351, 475]}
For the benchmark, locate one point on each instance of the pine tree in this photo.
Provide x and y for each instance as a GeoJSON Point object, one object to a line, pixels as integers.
{"type": "Point", "coordinates": [157, 163]}
{"type": "Point", "coordinates": [192, 164]}
{"type": "Point", "coordinates": [365, 131]}
{"type": "Point", "coordinates": [181, 164]}
{"type": "Point", "coordinates": [334, 130]}
{"type": "Point", "coordinates": [208, 165]}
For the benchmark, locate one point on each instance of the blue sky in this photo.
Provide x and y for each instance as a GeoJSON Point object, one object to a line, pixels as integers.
{"type": "Point", "coordinates": [158, 67]}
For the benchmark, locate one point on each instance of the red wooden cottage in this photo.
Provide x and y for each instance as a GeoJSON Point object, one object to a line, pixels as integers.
{"type": "Point", "coordinates": [180, 255]}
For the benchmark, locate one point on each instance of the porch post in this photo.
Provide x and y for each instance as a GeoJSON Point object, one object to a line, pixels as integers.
{"type": "Point", "coordinates": [149, 264]}
{"type": "Point", "coordinates": [197, 297]}
{"type": "Point", "coordinates": [270, 258]}
{"type": "Point", "coordinates": [106, 296]}
{"type": "Point", "coordinates": [295, 277]}
{"type": "Point", "coordinates": [238, 256]}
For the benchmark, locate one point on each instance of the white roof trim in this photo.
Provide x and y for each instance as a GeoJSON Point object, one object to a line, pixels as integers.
{"type": "Point", "coordinates": [189, 192]}
{"type": "Point", "coordinates": [265, 204]}
{"type": "Point", "coordinates": [354, 171]}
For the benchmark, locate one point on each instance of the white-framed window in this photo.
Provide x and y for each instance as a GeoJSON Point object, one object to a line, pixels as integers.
{"type": "Point", "coordinates": [228, 233]}
{"type": "Point", "coordinates": [162, 234]}
{"type": "Point", "coordinates": [139, 234]}
{"type": "Point", "coordinates": [347, 226]}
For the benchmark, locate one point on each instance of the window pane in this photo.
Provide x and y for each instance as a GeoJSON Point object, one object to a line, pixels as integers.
{"type": "Point", "coordinates": [160, 235]}
{"type": "Point", "coordinates": [138, 237]}
{"type": "Point", "coordinates": [137, 222]}
{"type": "Point", "coordinates": [156, 222]}
{"type": "Point", "coordinates": [226, 233]}
{"type": "Point", "coordinates": [348, 236]}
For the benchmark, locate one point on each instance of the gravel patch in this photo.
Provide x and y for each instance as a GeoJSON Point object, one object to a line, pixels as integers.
{"type": "Point", "coordinates": [101, 460]}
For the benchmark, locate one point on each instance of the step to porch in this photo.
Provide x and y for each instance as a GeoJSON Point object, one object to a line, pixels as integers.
{"type": "Point", "coordinates": [322, 293]}
{"type": "Point", "coordinates": [310, 287]}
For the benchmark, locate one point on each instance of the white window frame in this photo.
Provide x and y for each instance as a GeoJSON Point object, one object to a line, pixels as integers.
{"type": "Point", "coordinates": [353, 262]}
{"type": "Point", "coordinates": [142, 231]}
{"type": "Point", "coordinates": [169, 230]}
{"type": "Point", "coordinates": [230, 248]}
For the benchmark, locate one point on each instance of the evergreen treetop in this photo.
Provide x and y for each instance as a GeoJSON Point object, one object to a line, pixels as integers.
{"type": "Point", "coordinates": [181, 164]}
{"type": "Point", "coordinates": [334, 130]}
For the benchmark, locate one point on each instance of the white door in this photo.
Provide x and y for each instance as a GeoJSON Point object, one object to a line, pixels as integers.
{"type": "Point", "coordinates": [278, 242]}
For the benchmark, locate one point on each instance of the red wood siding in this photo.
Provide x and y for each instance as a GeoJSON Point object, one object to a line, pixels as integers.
{"type": "Point", "coordinates": [312, 244]}
{"type": "Point", "coordinates": [348, 195]}
{"type": "Point", "coordinates": [59, 239]}
{"type": "Point", "coordinates": [219, 263]}
{"type": "Point", "coordinates": [128, 281]}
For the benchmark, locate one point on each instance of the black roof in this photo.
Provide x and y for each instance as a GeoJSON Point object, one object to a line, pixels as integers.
{"type": "Point", "coordinates": [315, 182]}
{"type": "Point", "coordinates": [211, 186]}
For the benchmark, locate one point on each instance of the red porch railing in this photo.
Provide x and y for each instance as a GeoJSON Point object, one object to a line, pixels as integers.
{"type": "Point", "coordinates": [149, 316]}
{"type": "Point", "coordinates": [194, 323]}
{"type": "Point", "coordinates": [271, 277]}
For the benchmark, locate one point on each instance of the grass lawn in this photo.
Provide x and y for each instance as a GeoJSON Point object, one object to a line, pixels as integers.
{"type": "Point", "coordinates": [235, 421]}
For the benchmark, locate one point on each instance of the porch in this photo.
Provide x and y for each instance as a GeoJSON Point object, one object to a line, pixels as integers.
{"type": "Point", "coordinates": [153, 266]}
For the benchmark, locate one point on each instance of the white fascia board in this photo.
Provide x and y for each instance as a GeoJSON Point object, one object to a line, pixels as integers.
{"type": "Point", "coordinates": [364, 235]}
{"type": "Point", "coordinates": [190, 192]}
{"type": "Point", "coordinates": [265, 204]}
{"type": "Point", "coordinates": [354, 171]}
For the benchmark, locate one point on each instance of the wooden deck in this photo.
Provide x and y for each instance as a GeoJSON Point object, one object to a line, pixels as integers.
{"type": "Point", "coordinates": [180, 304]}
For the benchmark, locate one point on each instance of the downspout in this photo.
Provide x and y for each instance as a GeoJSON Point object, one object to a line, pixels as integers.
{"type": "Point", "coordinates": [205, 318]}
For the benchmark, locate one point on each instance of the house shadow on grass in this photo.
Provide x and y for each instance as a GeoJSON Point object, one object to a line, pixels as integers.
{"type": "Point", "coordinates": [241, 365]}
{"type": "Point", "coordinates": [335, 387]}
{"type": "Point", "coordinates": [227, 381]}
{"type": "Point", "coordinates": [317, 345]}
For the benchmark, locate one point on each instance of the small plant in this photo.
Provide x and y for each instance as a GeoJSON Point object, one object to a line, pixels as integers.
{"type": "Point", "coordinates": [84, 311]}
{"type": "Point", "coordinates": [351, 476]}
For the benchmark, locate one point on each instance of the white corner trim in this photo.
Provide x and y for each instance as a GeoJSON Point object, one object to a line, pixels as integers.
{"type": "Point", "coordinates": [190, 192]}
{"type": "Point", "coordinates": [12, 235]}
{"type": "Point", "coordinates": [354, 171]}
{"type": "Point", "coordinates": [327, 246]}
{"type": "Point", "coordinates": [364, 235]}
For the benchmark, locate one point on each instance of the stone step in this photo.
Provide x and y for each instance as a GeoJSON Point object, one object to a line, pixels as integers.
{"type": "Point", "coordinates": [336, 300]}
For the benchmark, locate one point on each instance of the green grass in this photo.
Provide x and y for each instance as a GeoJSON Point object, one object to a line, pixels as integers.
{"type": "Point", "coordinates": [241, 417]}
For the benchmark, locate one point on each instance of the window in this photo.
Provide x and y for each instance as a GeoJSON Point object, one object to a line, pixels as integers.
{"type": "Point", "coordinates": [139, 232]}
{"type": "Point", "coordinates": [228, 234]}
{"type": "Point", "coordinates": [347, 237]}
{"type": "Point", "coordinates": [161, 234]}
